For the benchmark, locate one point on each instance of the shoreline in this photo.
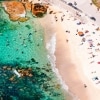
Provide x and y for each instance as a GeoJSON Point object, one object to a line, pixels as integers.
{"type": "Point", "coordinates": [70, 66]}
{"type": "Point", "coordinates": [50, 42]}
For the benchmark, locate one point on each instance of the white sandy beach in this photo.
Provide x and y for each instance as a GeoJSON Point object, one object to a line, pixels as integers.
{"type": "Point", "coordinates": [77, 62]}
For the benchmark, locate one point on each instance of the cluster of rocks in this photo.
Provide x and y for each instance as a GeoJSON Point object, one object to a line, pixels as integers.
{"type": "Point", "coordinates": [39, 10]}
{"type": "Point", "coordinates": [17, 10]}
{"type": "Point", "coordinates": [24, 72]}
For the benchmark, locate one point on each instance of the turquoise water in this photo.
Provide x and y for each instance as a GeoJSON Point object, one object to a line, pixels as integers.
{"type": "Point", "coordinates": [22, 47]}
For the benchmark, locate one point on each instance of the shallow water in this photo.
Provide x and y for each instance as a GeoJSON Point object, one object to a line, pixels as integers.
{"type": "Point", "coordinates": [22, 47]}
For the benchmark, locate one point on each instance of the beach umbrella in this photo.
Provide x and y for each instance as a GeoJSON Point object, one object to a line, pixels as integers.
{"type": "Point", "coordinates": [99, 62]}
{"type": "Point", "coordinates": [80, 33]}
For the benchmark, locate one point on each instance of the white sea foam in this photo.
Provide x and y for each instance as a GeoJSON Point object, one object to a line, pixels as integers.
{"type": "Point", "coordinates": [15, 71]}
{"type": "Point", "coordinates": [3, 5]}
{"type": "Point", "coordinates": [51, 48]}
{"type": "Point", "coordinates": [23, 14]}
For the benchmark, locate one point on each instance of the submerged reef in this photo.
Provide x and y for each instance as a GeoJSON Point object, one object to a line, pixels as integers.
{"type": "Point", "coordinates": [35, 87]}
{"type": "Point", "coordinates": [25, 70]}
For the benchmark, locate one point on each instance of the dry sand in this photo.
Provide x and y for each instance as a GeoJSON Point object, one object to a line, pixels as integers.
{"type": "Point", "coordinates": [66, 67]}
{"type": "Point", "coordinates": [70, 66]}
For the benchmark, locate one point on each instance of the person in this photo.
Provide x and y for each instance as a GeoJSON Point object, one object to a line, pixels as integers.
{"type": "Point", "coordinates": [66, 40]}
{"type": "Point", "coordinates": [85, 85]}
{"type": "Point", "coordinates": [90, 3]}
{"type": "Point", "coordinates": [75, 3]}
{"type": "Point", "coordinates": [98, 8]}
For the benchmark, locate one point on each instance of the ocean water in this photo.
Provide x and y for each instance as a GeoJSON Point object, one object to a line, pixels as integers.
{"type": "Point", "coordinates": [22, 47]}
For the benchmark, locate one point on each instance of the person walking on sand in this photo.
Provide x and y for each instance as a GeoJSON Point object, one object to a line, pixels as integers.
{"type": "Point", "coordinates": [85, 85]}
{"type": "Point", "coordinates": [75, 3]}
{"type": "Point", "coordinates": [98, 8]}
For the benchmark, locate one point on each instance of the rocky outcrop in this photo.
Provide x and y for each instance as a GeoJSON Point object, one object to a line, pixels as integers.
{"type": "Point", "coordinates": [96, 3]}
{"type": "Point", "coordinates": [39, 9]}
{"type": "Point", "coordinates": [15, 9]}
